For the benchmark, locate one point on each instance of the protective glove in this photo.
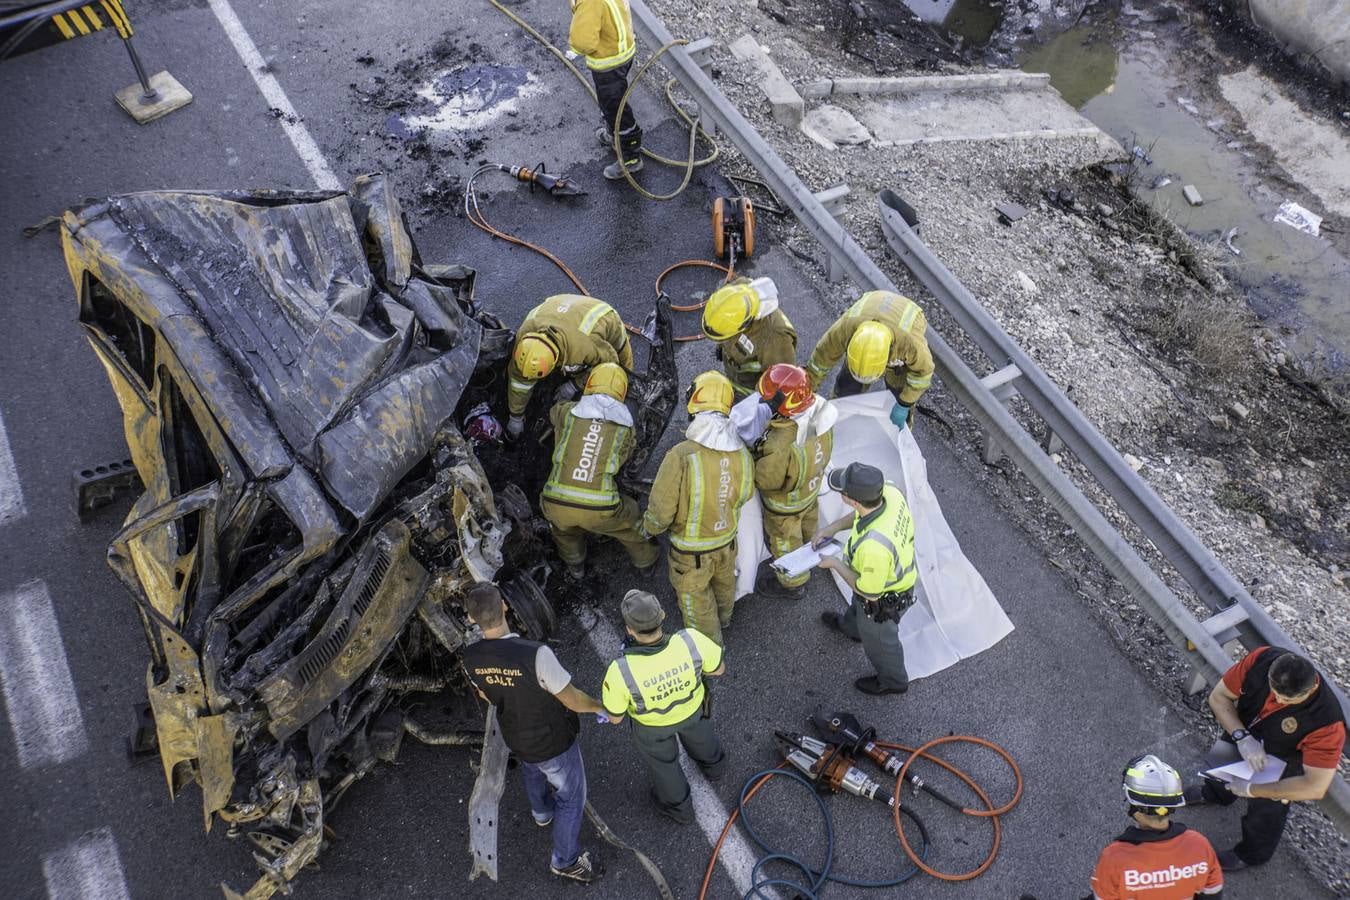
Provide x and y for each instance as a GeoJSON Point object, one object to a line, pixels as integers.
{"type": "Point", "coordinates": [515, 427]}
{"type": "Point", "coordinates": [900, 416]}
{"type": "Point", "coordinates": [1240, 787]}
{"type": "Point", "coordinates": [1253, 751]}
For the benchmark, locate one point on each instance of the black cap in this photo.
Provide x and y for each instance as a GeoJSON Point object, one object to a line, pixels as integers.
{"type": "Point", "coordinates": [859, 482]}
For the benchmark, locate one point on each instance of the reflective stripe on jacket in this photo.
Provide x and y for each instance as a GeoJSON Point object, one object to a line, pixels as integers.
{"type": "Point", "coordinates": [661, 684]}
{"type": "Point", "coordinates": [881, 549]}
{"type": "Point", "coordinates": [789, 474]}
{"type": "Point", "coordinates": [770, 340]}
{"type": "Point", "coordinates": [587, 454]}
{"type": "Point", "coordinates": [602, 31]}
{"type": "Point", "coordinates": [698, 494]}
{"type": "Point", "coordinates": [587, 331]}
{"type": "Point", "coordinates": [910, 371]}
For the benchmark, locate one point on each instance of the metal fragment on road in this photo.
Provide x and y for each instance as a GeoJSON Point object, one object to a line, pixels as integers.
{"type": "Point", "coordinates": [485, 800]}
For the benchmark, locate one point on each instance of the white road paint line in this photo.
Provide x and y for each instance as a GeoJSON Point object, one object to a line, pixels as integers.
{"type": "Point", "coordinates": [276, 97]}
{"type": "Point", "coordinates": [737, 857]}
{"type": "Point", "coordinates": [11, 495]}
{"type": "Point", "coordinates": [89, 869]}
{"type": "Point", "coordinates": [44, 711]}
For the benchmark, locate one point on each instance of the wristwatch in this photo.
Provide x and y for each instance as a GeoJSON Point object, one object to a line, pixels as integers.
{"type": "Point", "coordinates": [1239, 734]}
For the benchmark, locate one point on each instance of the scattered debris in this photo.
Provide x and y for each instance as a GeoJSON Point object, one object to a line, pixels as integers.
{"type": "Point", "coordinates": [1134, 462]}
{"type": "Point", "coordinates": [1239, 410]}
{"type": "Point", "coordinates": [1160, 181]}
{"type": "Point", "coordinates": [1296, 216]}
{"type": "Point", "coordinates": [1141, 154]}
{"type": "Point", "coordinates": [835, 125]}
{"type": "Point", "coordinates": [1009, 213]}
{"type": "Point", "coordinates": [1192, 195]}
{"type": "Point", "coordinates": [1187, 105]}
{"type": "Point", "coordinates": [1061, 197]}
{"type": "Point", "coordinates": [1028, 286]}
{"type": "Point", "coordinates": [1228, 241]}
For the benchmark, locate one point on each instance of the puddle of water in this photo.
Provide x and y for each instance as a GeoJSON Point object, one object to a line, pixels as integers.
{"type": "Point", "coordinates": [973, 20]}
{"type": "Point", "coordinates": [1295, 278]}
{"type": "Point", "coordinates": [467, 98]}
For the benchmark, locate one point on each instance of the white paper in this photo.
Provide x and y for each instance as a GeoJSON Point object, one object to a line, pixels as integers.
{"type": "Point", "coordinates": [804, 558]}
{"type": "Point", "coordinates": [1296, 216]}
{"type": "Point", "coordinates": [955, 614]}
{"type": "Point", "coordinates": [1241, 769]}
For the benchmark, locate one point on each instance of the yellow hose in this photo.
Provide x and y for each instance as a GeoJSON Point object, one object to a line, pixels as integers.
{"type": "Point", "coordinates": [695, 128]}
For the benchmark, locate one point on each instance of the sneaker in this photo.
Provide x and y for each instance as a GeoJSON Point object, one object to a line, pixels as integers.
{"type": "Point", "coordinates": [1229, 861]}
{"type": "Point", "coordinates": [544, 822]}
{"type": "Point", "coordinates": [582, 870]}
{"type": "Point", "coordinates": [871, 684]}
{"type": "Point", "coordinates": [614, 173]}
{"type": "Point", "coordinates": [831, 621]}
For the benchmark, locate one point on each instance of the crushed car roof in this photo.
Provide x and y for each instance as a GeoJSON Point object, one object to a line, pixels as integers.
{"type": "Point", "coordinates": [356, 355]}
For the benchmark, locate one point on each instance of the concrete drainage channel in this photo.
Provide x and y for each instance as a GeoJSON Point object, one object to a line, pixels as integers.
{"type": "Point", "coordinates": [1237, 617]}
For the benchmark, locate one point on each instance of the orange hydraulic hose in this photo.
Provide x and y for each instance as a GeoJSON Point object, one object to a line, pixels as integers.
{"type": "Point", "coordinates": [694, 307]}
{"type": "Point", "coordinates": [475, 215]}
{"type": "Point", "coordinates": [989, 812]}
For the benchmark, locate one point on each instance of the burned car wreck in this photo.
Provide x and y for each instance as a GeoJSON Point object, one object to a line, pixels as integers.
{"type": "Point", "coordinates": [292, 378]}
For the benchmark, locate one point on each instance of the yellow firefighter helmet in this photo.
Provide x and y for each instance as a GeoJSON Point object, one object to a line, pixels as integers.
{"type": "Point", "coordinates": [710, 392]}
{"type": "Point", "coordinates": [869, 352]}
{"type": "Point", "coordinates": [730, 310]}
{"type": "Point", "coordinates": [536, 355]}
{"type": "Point", "coordinates": [609, 379]}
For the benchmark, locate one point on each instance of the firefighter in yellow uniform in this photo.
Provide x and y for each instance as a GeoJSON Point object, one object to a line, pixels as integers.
{"type": "Point", "coordinates": [602, 31]}
{"type": "Point", "coordinates": [658, 683]}
{"type": "Point", "coordinates": [569, 334]}
{"type": "Point", "coordinates": [697, 496]}
{"type": "Point", "coordinates": [881, 334]}
{"type": "Point", "coordinates": [878, 565]}
{"type": "Point", "coordinates": [593, 438]}
{"type": "Point", "coordinates": [751, 331]}
{"type": "Point", "coordinates": [790, 462]}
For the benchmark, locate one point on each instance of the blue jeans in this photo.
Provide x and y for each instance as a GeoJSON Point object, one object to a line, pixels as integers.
{"type": "Point", "coordinates": [557, 787]}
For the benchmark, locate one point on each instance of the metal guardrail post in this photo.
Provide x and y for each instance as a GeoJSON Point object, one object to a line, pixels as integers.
{"type": "Point", "coordinates": [835, 200]}
{"type": "Point", "coordinates": [700, 51]}
{"type": "Point", "coordinates": [1098, 535]}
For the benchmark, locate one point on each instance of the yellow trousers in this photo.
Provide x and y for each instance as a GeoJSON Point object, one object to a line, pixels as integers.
{"type": "Point", "coordinates": [570, 525]}
{"type": "Point", "coordinates": [785, 532]}
{"type": "Point", "coordinates": [705, 586]}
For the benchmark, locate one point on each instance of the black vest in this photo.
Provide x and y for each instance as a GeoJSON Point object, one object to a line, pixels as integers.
{"type": "Point", "coordinates": [535, 725]}
{"type": "Point", "coordinates": [1282, 730]}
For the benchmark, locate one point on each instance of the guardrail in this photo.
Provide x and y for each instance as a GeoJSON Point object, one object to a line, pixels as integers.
{"type": "Point", "coordinates": [1212, 582]}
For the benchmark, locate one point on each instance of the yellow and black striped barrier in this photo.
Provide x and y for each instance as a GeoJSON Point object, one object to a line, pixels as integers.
{"type": "Point", "coordinates": [89, 18]}
{"type": "Point", "coordinates": [33, 26]}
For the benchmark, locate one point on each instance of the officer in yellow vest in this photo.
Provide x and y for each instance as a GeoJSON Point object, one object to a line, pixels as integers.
{"type": "Point", "coordinates": [878, 565]}
{"type": "Point", "coordinates": [593, 438]}
{"type": "Point", "coordinates": [881, 334]}
{"type": "Point", "coordinates": [697, 496]}
{"type": "Point", "coordinates": [602, 31]}
{"type": "Point", "coordinates": [790, 461]}
{"type": "Point", "coordinates": [658, 683]}
{"type": "Point", "coordinates": [568, 334]}
{"type": "Point", "coordinates": [751, 331]}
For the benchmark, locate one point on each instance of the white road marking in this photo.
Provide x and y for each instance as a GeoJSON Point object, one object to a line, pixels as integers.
{"type": "Point", "coordinates": [737, 857]}
{"type": "Point", "coordinates": [89, 869]}
{"type": "Point", "coordinates": [11, 495]}
{"type": "Point", "coordinates": [295, 129]}
{"type": "Point", "coordinates": [44, 710]}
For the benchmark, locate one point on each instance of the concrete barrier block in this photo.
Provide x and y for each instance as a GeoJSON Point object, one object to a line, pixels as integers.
{"type": "Point", "coordinates": [816, 90]}
{"type": "Point", "coordinates": [784, 100]}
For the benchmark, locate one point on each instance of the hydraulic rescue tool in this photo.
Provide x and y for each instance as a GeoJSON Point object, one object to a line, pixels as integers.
{"type": "Point", "coordinates": [733, 228]}
{"type": "Point", "coordinates": [556, 185]}
{"type": "Point", "coordinates": [844, 730]}
{"type": "Point", "coordinates": [830, 765]}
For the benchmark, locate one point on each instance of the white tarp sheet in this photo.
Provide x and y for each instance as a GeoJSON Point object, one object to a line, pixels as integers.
{"type": "Point", "coordinates": [956, 614]}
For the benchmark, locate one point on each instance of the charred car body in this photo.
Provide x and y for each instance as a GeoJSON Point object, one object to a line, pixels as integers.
{"type": "Point", "coordinates": [290, 376]}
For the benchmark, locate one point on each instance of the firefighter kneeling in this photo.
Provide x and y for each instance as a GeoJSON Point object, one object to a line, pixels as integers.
{"type": "Point", "coordinates": [593, 440]}
{"type": "Point", "coordinates": [1156, 857]}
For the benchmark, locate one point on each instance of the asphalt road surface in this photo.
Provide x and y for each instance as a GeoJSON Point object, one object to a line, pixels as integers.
{"type": "Point", "coordinates": [81, 821]}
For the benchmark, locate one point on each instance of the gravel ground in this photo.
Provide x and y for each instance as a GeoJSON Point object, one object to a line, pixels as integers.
{"type": "Point", "coordinates": [1134, 321]}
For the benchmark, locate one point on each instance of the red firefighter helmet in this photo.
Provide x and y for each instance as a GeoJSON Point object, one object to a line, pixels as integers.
{"type": "Point", "coordinates": [786, 388]}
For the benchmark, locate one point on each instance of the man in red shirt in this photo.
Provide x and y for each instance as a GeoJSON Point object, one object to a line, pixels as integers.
{"type": "Point", "coordinates": [1156, 858]}
{"type": "Point", "coordinates": [1272, 703]}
